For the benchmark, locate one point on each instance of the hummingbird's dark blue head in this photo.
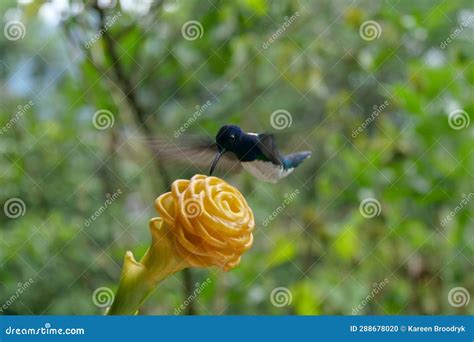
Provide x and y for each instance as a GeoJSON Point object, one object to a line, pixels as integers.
{"type": "Point", "coordinates": [228, 139]}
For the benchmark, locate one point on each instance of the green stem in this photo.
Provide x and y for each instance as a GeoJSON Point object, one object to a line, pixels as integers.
{"type": "Point", "coordinates": [139, 279]}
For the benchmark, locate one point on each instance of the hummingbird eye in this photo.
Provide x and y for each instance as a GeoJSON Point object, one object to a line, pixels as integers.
{"type": "Point", "coordinates": [232, 137]}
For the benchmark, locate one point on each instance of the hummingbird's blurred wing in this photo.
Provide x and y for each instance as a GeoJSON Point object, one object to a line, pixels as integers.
{"type": "Point", "coordinates": [193, 150]}
{"type": "Point", "coordinates": [266, 144]}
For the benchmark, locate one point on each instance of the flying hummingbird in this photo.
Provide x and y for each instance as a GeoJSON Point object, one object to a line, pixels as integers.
{"type": "Point", "coordinates": [232, 150]}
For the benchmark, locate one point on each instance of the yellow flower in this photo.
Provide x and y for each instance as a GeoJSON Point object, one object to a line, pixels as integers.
{"type": "Point", "coordinates": [211, 221]}
{"type": "Point", "coordinates": [204, 222]}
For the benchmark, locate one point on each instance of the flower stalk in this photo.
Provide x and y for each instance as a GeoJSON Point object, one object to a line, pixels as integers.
{"type": "Point", "coordinates": [139, 279]}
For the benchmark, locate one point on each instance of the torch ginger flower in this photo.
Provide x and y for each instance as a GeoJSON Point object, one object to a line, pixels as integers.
{"type": "Point", "coordinates": [204, 222]}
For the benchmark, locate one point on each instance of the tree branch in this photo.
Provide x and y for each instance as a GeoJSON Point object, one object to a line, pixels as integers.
{"type": "Point", "coordinates": [139, 112]}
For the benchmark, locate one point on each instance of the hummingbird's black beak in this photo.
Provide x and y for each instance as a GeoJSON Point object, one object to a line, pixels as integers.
{"type": "Point", "coordinates": [216, 159]}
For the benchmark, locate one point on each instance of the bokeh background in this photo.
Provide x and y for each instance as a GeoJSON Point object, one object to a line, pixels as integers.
{"type": "Point", "coordinates": [155, 64]}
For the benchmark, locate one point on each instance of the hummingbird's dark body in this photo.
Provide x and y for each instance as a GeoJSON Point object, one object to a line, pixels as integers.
{"type": "Point", "coordinates": [257, 153]}
{"type": "Point", "coordinates": [233, 150]}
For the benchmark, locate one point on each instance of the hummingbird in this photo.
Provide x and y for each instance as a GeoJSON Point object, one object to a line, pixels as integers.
{"type": "Point", "coordinates": [256, 153]}
{"type": "Point", "coordinates": [233, 150]}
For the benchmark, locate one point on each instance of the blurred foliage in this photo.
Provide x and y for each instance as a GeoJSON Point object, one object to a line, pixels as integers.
{"type": "Point", "coordinates": [320, 70]}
